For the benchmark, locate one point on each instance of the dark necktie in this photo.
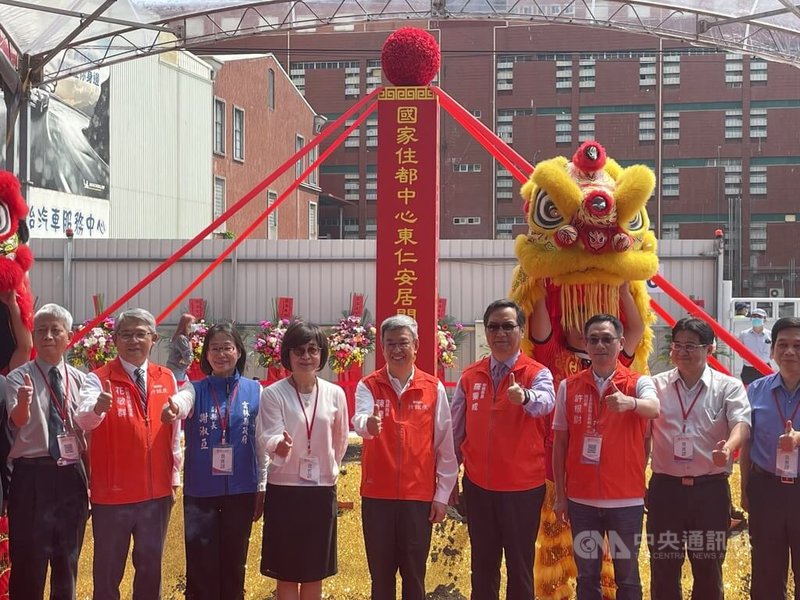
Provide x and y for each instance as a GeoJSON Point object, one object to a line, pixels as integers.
{"type": "Point", "coordinates": [55, 424]}
{"type": "Point", "coordinates": [499, 371]}
{"type": "Point", "coordinates": [139, 373]}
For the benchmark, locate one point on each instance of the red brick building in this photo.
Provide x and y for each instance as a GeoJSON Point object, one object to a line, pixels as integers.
{"type": "Point", "coordinates": [719, 129]}
{"type": "Point", "coordinates": [260, 120]}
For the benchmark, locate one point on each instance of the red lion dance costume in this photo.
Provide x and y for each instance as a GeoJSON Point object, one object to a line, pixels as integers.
{"type": "Point", "coordinates": [15, 261]}
{"type": "Point", "coordinates": [588, 234]}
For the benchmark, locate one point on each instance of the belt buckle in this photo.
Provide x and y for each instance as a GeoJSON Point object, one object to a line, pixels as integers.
{"type": "Point", "coordinates": [687, 481]}
{"type": "Point", "coordinates": [788, 480]}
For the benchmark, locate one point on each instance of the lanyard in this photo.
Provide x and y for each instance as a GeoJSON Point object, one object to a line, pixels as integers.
{"type": "Point", "coordinates": [685, 413]}
{"type": "Point", "coordinates": [231, 400]}
{"type": "Point", "coordinates": [61, 408]}
{"type": "Point", "coordinates": [595, 412]}
{"type": "Point", "coordinates": [309, 425]}
{"type": "Point", "coordinates": [780, 410]}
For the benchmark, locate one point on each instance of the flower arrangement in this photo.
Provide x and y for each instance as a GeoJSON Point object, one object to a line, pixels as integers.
{"type": "Point", "coordinates": [349, 343]}
{"type": "Point", "coordinates": [267, 344]}
{"type": "Point", "coordinates": [448, 334]}
{"type": "Point", "coordinates": [96, 348]}
{"type": "Point", "coordinates": [196, 339]}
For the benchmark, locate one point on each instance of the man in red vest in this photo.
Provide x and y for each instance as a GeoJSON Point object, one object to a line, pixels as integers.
{"type": "Point", "coordinates": [408, 465]}
{"type": "Point", "coordinates": [499, 430]}
{"type": "Point", "coordinates": [134, 459]}
{"type": "Point", "coordinates": [599, 460]}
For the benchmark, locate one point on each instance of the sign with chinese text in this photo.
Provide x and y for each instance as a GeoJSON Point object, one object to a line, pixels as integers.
{"type": "Point", "coordinates": [285, 307]}
{"type": "Point", "coordinates": [197, 307]}
{"type": "Point", "coordinates": [441, 309]}
{"type": "Point", "coordinates": [51, 213]}
{"type": "Point", "coordinates": [357, 305]}
{"type": "Point", "coordinates": [408, 212]}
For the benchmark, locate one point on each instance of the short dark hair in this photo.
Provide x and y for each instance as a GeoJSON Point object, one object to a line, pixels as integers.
{"type": "Point", "coordinates": [784, 323]}
{"type": "Point", "coordinates": [231, 331]}
{"type": "Point", "coordinates": [697, 326]}
{"type": "Point", "coordinates": [502, 304]}
{"type": "Point", "coordinates": [299, 334]}
{"type": "Point", "coordinates": [604, 318]}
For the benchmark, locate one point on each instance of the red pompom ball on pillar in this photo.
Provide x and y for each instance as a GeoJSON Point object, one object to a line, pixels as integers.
{"type": "Point", "coordinates": [410, 56]}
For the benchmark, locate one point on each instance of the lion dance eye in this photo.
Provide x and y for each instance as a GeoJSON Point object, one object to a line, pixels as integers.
{"type": "Point", "coordinates": [636, 222]}
{"type": "Point", "coordinates": [546, 214]}
{"type": "Point", "coordinates": [5, 221]}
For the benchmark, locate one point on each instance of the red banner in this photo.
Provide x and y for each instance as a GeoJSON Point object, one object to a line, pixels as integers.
{"type": "Point", "coordinates": [408, 212]}
{"type": "Point", "coordinates": [285, 307]}
{"type": "Point", "coordinates": [357, 305]}
{"type": "Point", "coordinates": [197, 307]}
{"type": "Point", "coordinates": [441, 309]}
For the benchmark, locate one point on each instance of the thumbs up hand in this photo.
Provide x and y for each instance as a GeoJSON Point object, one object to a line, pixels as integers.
{"type": "Point", "coordinates": [374, 425]}
{"type": "Point", "coordinates": [516, 393]}
{"type": "Point", "coordinates": [720, 454]}
{"type": "Point", "coordinates": [169, 413]}
{"type": "Point", "coordinates": [617, 401]}
{"type": "Point", "coordinates": [103, 404]}
{"type": "Point", "coordinates": [284, 446]}
{"type": "Point", "coordinates": [25, 391]}
{"type": "Point", "coordinates": [788, 441]}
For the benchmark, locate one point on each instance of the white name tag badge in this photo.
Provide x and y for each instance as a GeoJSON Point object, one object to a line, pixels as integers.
{"type": "Point", "coordinates": [309, 469]}
{"type": "Point", "coordinates": [591, 449]}
{"type": "Point", "coordinates": [68, 448]}
{"type": "Point", "coordinates": [682, 448]}
{"type": "Point", "coordinates": [786, 463]}
{"type": "Point", "coordinates": [222, 460]}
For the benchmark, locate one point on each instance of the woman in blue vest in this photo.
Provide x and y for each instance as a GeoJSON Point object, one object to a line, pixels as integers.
{"type": "Point", "coordinates": [223, 480]}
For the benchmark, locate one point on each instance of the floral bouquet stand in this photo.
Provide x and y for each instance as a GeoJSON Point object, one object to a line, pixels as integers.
{"type": "Point", "coordinates": [349, 343]}
{"type": "Point", "coordinates": [267, 347]}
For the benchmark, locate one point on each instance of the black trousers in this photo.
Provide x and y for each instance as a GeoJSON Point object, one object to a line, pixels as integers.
{"type": "Point", "coordinates": [750, 374]}
{"type": "Point", "coordinates": [774, 535]}
{"type": "Point", "coordinates": [685, 520]}
{"type": "Point", "coordinates": [113, 526]}
{"type": "Point", "coordinates": [217, 535]}
{"type": "Point", "coordinates": [498, 523]}
{"type": "Point", "coordinates": [47, 512]}
{"type": "Point", "coordinates": [397, 535]}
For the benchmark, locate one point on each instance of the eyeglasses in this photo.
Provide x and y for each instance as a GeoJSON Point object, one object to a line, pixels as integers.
{"type": "Point", "coordinates": [139, 336]}
{"type": "Point", "coordinates": [302, 351]}
{"type": "Point", "coordinates": [495, 327]}
{"type": "Point", "coordinates": [606, 340]}
{"type": "Point", "coordinates": [390, 346]}
{"type": "Point", "coordinates": [678, 347]}
{"type": "Point", "coordinates": [222, 349]}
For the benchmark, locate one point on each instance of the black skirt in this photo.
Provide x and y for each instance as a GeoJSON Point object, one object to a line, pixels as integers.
{"type": "Point", "coordinates": [299, 533]}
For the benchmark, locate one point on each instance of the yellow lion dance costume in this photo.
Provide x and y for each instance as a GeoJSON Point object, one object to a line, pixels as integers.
{"type": "Point", "coordinates": [588, 234]}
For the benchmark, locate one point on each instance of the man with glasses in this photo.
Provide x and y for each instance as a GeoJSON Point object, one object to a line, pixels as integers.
{"type": "Point", "coordinates": [408, 465]}
{"type": "Point", "coordinates": [705, 418]}
{"type": "Point", "coordinates": [48, 506]}
{"type": "Point", "coordinates": [134, 457]}
{"type": "Point", "coordinates": [599, 459]}
{"type": "Point", "coordinates": [770, 479]}
{"type": "Point", "coordinates": [499, 431]}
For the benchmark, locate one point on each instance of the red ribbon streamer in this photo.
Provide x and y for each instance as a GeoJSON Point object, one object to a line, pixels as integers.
{"type": "Point", "coordinates": [222, 218]}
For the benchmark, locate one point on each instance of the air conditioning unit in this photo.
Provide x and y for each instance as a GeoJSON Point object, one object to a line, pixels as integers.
{"type": "Point", "coordinates": [775, 292]}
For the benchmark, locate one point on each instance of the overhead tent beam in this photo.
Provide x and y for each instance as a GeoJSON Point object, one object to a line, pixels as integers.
{"type": "Point", "coordinates": [703, 26]}
{"type": "Point", "coordinates": [80, 15]}
{"type": "Point", "coordinates": [795, 9]}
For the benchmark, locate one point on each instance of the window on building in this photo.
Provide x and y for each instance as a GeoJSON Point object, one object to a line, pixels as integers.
{"type": "Point", "coordinates": [505, 73]}
{"type": "Point", "coordinates": [350, 227]}
{"type": "Point", "coordinates": [647, 126]}
{"type": "Point", "coordinates": [564, 74]}
{"type": "Point", "coordinates": [671, 74]}
{"type": "Point", "coordinates": [238, 133]}
{"type": "Point", "coordinates": [313, 224]}
{"type": "Point", "coordinates": [733, 70]}
{"type": "Point", "coordinates": [352, 186]}
{"type": "Point", "coordinates": [352, 81]}
{"type": "Point", "coordinates": [647, 70]}
{"type": "Point", "coordinates": [371, 133]}
{"type": "Point", "coordinates": [758, 123]}
{"type": "Point", "coordinates": [504, 226]}
{"type": "Point", "coordinates": [672, 126]}
{"type": "Point", "coordinates": [372, 186]}
{"type": "Point", "coordinates": [373, 75]}
{"type": "Point", "coordinates": [733, 124]}
{"type": "Point", "coordinates": [352, 140]}
{"type": "Point", "coordinates": [758, 237]}
{"type": "Point", "coordinates": [733, 177]}
{"type": "Point", "coordinates": [467, 167]}
{"type": "Point", "coordinates": [670, 181]}
{"type": "Point", "coordinates": [271, 89]}
{"type": "Point", "coordinates": [312, 157]}
{"type": "Point", "coordinates": [504, 184]}
{"type": "Point", "coordinates": [564, 129]}
{"type": "Point", "coordinates": [300, 165]}
{"type": "Point", "coordinates": [371, 229]}
{"type": "Point", "coordinates": [219, 196]}
{"type": "Point", "coordinates": [219, 126]}
{"type": "Point", "coordinates": [758, 180]}
{"type": "Point", "coordinates": [585, 127]}
{"type": "Point", "coordinates": [476, 113]}
{"type": "Point", "coordinates": [272, 220]}
{"type": "Point", "coordinates": [586, 73]}
{"type": "Point", "coordinates": [466, 220]}
{"type": "Point", "coordinates": [671, 231]}
{"type": "Point", "coordinates": [758, 71]}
